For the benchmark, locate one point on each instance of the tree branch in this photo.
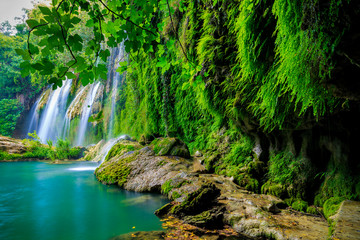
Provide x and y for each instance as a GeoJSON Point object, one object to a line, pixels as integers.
{"type": "Point", "coordinates": [28, 39]}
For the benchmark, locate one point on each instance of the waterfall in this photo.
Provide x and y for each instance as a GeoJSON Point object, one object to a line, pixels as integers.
{"type": "Point", "coordinates": [118, 56]}
{"type": "Point", "coordinates": [49, 124]}
{"type": "Point", "coordinates": [69, 112]}
{"type": "Point", "coordinates": [33, 118]}
{"type": "Point", "coordinates": [86, 111]}
{"type": "Point", "coordinates": [52, 117]}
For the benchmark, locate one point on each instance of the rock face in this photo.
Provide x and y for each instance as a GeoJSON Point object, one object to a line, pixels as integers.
{"type": "Point", "coordinates": [210, 201]}
{"type": "Point", "coordinates": [11, 145]}
{"type": "Point", "coordinates": [347, 221]}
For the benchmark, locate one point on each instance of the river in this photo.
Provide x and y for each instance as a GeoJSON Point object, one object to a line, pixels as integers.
{"type": "Point", "coordinates": [65, 201]}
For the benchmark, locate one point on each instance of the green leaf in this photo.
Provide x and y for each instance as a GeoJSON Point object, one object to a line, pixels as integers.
{"type": "Point", "coordinates": [45, 10]}
{"type": "Point", "coordinates": [37, 66]}
{"type": "Point", "coordinates": [75, 20]}
{"type": "Point", "coordinates": [32, 23]}
{"type": "Point", "coordinates": [23, 53]}
{"type": "Point", "coordinates": [70, 75]}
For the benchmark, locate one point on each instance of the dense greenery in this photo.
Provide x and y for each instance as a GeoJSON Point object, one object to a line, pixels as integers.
{"type": "Point", "coordinates": [233, 78]}
{"type": "Point", "coordinates": [10, 110]}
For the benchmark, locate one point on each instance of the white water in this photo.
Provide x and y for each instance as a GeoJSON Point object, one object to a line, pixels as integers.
{"type": "Point", "coordinates": [101, 155]}
{"type": "Point", "coordinates": [50, 124]}
{"type": "Point", "coordinates": [119, 57]}
{"type": "Point", "coordinates": [86, 111]}
{"type": "Point", "coordinates": [68, 114]}
{"type": "Point", "coordinates": [34, 116]}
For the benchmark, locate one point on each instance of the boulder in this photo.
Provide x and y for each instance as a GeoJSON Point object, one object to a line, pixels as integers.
{"type": "Point", "coordinates": [170, 146]}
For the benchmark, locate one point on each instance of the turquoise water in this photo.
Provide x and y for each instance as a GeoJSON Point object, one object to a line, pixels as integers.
{"type": "Point", "coordinates": [47, 201]}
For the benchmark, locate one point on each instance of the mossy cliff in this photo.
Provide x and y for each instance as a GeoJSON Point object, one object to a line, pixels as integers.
{"type": "Point", "coordinates": [205, 205]}
{"type": "Point", "coordinates": [265, 89]}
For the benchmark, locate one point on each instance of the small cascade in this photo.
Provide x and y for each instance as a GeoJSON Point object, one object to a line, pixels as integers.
{"type": "Point", "coordinates": [86, 111]}
{"type": "Point", "coordinates": [100, 157]}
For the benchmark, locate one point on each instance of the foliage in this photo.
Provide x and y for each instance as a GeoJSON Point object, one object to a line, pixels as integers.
{"type": "Point", "coordinates": [300, 205]}
{"type": "Point", "coordinates": [10, 110]}
{"type": "Point", "coordinates": [197, 67]}
{"type": "Point", "coordinates": [332, 205]}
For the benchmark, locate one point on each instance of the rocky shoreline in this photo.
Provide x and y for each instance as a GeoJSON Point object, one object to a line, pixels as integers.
{"type": "Point", "coordinates": [207, 202]}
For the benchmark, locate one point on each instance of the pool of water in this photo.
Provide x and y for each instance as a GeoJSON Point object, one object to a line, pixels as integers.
{"type": "Point", "coordinates": [65, 201]}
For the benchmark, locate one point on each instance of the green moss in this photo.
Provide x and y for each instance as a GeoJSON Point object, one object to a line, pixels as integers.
{"type": "Point", "coordinates": [115, 172]}
{"type": "Point", "coordinates": [275, 189]}
{"type": "Point", "coordinates": [175, 195]}
{"type": "Point", "coordinates": [121, 148]}
{"type": "Point", "coordinates": [166, 187]}
{"type": "Point", "coordinates": [312, 210]}
{"type": "Point", "coordinates": [331, 206]}
{"type": "Point", "coordinates": [300, 205]}
{"type": "Point", "coordinates": [245, 181]}
{"type": "Point", "coordinates": [162, 146]}
{"type": "Point", "coordinates": [197, 201]}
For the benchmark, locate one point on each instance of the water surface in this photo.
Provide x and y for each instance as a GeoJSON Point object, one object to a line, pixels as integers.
{"type": "Point", "coordinates": [47, 201]}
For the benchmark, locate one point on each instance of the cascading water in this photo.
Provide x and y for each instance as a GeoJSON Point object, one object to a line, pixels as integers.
{"type": "Point", "coordinates": [119, 56]}
{"type": "Point", "coordinates": [51, 121]}
{"type": "Point", "coordinates": [69, 113]}
{"type": "Point", "coordinates": [53, 118]}
{"type": "Point", "coordinates": [86, 111]}
{"type": "Point", "coordinates": [105, 149]}
{"type": "Point", "coordinates": [33, 118]}
{"type": "Point", "coordinates": [49, 124]}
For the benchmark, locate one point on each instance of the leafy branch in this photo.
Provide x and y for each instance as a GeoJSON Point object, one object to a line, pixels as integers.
{"type": "Point", "coordinates": [126, 19]}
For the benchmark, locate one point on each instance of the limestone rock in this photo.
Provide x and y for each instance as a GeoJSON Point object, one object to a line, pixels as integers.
{"type": "Point", "coordinates": [11, 145]}
{"type": "Point", "coordinates": [347, 221]}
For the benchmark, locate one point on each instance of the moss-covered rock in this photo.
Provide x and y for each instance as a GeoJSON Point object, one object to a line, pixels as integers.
{"type": "Point", "coordinates": [117, 171]}
{"type": "Point", "coordinates": [332, 205]}
{"type": "Point", "coordinates": [145, 139]}
{"type": "Point", "coordinates": [170, 146]}
{"type": "Point", "coordinates": [210, 219]}
{"type": "Point", "coordinates": [247, 182]}
{"type": "Point", "coordinates": [122, 147]}
{"type": "Point", "coordinates": [300, 205]}
{"type": "Point", "coordinates": [197, 201]}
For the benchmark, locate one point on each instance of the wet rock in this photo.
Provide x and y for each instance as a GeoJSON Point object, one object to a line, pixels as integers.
{"type": "Point", "coordinates": [197, 201]}
{"type": "Point", "coordinates": [164, 210]}
{"type": "Point", "coordinates": [211, 219]}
